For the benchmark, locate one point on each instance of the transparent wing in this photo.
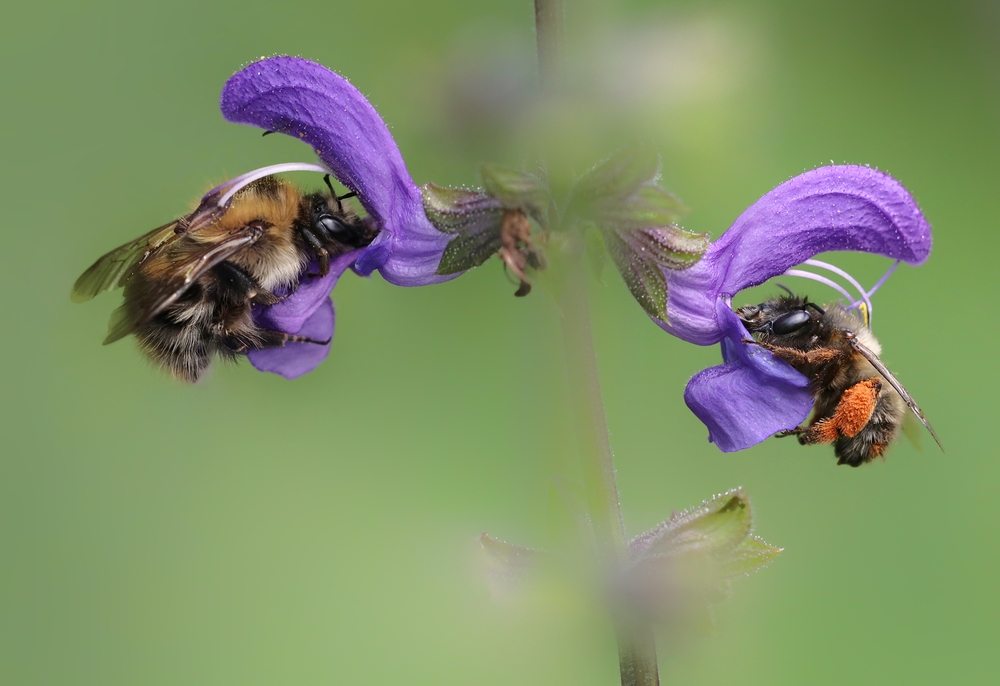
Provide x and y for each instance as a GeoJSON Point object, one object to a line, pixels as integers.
{"type": "Point", "coordinates": [116, 268]}
{"type": "Point", "coordinates": [912, 431]}
{"type": "Point", "coordinates": [881, 369]}
{"type": "Point", "coordinates": [152, 296]}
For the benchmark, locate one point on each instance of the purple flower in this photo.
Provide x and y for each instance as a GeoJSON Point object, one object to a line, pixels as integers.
{"type": "Point", "coordinates": [308, 101]}
{"type": "Point", "coordinates": [308, 312]}
{"type": "Point", "coordinates": [754, 395]}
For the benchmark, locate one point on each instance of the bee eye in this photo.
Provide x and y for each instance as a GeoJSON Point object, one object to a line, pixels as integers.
{"type": "Point", "coordinates": [331, 225]}
{"type": "Point", "coordinates": [790, 322]}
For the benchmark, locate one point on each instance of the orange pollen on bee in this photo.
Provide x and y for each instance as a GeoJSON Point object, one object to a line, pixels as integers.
{"type": "Point", "coordinates": [856, 406]}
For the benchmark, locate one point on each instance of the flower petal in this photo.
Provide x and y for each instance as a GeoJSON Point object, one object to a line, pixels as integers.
{"type": "Point", "coordinates": [308, 101]}
{"type": "Point", "coordinates": [290, 314]}
{"type": "Point", "coordinates": [306, 312]}
{"type": "Point", "coordinates": [750, 397]}
{"type": "Point", "coordinates": [296, 359]}
{"type": "Point", "coordinates": [830, 208]}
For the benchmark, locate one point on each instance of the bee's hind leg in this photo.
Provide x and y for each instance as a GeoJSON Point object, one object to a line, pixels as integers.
{"type": "Point", "coordinates": [853, 413]}
{"type": "Point", "coordinates": [265, 339]}
{"type": "Point", "coordinates": [240, 285]}
{"type": "Point", "coordinates": [268, 338]}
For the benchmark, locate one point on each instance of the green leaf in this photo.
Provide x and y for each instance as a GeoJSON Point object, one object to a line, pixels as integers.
{"type": "Point", "coordinates": [647, 206]}
{"type": "Point", "coordinates": [517, 190]}
{"type": "Point", "coordinates": [679, 568]}
{"type": "Point", "coordinates": [748, 557]}
{"type": "Point", "coordinates": [507, 565]}
{"type": "Point", "coordinates": [716, 527]}
{"type": "Point", "coordinates": [622, 174]}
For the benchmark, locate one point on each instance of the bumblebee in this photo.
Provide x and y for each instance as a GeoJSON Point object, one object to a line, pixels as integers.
{"type": "Point", "coordinates": [190, 284]}
{"type": "Point", "coordinates": [859, 405]}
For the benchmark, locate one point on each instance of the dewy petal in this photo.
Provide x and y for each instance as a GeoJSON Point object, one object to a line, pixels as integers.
{"type": "Point", "coordinates": [308, 101]}
{"type": "Point", "coordinates": [830, 208]}
{"type": "Point", "coordinates": [306, 312]}
{"type": "Point", "coordinates": [750, 397]}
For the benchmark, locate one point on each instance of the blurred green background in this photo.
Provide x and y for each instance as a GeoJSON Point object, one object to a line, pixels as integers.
{"type": "Point", "coordinates": [252, 530]}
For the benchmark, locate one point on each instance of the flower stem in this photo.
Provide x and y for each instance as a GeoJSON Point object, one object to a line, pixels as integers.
{"type": "Point", "coordinates": [549, 34]}
{"type": "Point", "coordinates": [636, 646]}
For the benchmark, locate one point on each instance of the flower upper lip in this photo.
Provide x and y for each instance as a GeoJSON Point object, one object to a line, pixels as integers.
{"type": "Point", "coordinates": [311, 103]}
{"type": "Point", "coordinates": [842, 207]}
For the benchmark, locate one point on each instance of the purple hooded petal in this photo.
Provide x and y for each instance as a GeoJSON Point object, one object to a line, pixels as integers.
{"type": "Point", "coordinates": [308, 101]}
{"type": "Point", "coordinates": [831, 208]}
{"type": "Point", "coordinates": [750, 397]}
{"type": "Point", "coordinates": [296, 359]}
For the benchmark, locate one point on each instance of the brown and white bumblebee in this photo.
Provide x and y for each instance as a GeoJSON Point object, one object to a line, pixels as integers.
{"type": "Point", "coordinates": [859, 405]}
{"type": "Point", "coordinates": [190, 284]}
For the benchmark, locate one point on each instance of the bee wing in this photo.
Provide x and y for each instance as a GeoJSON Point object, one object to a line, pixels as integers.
{"type": "Point", "coordinates": [155, 295]}
{"type": "Point", "coordinates": [116, 268]}
{"type": "Point", "coordinates": [881, 369]}
{"type": "Point", "coordinates": [911, 429]}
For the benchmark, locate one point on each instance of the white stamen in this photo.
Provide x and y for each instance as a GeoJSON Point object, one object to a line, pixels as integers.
{"type": "Point", "coordinates": [864, 304]}
{"type": "Point", "coordinates": [878, 284]}
{"type": "Point", "coordinates": [851, 280]}
{"type": "Point", "coordinates": [822, 279]}
{"type": "Point", "coordinates": [233, 186]}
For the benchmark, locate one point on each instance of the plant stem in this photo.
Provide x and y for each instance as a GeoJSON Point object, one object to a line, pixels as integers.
{"type": "Point", "coordinates": [636, 647]}
{"type": "Point", "coordinates": [549, 34]}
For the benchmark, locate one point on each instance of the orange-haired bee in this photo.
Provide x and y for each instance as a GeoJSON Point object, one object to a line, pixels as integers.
{"type": "Point", "coordinates": [859, 405]}
{"type": "Point", "coordinates": [190, 284]}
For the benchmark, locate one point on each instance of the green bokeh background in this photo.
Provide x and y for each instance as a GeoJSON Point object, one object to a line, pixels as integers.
{"type": "Point", "coordinates": [252, 530]}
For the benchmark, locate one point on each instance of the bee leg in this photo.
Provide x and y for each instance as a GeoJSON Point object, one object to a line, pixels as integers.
{"type": "Point", "coordinates": [791, 432]}
{"type": "Point", "coordinates": [853, 413]}
{"type": "Point", "coordinates": [322, 254]}
{"type": "Point", "coordinates": [268, 338]}
{"type": "Point", "coordinates": [794, 356]}
{"type": "Point", "coordinates": [241, 286]}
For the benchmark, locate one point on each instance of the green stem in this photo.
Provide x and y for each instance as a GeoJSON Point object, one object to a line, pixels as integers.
{"type": "Point", "coordinates": [588, 412]}
{"type": "Point", "coordinates": [636, 647]}
{"type": "Point", "coordinates": [549, 34]}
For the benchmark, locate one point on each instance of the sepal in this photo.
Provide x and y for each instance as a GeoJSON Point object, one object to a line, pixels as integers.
{"type": "Point", "coordinates": [637, 218]}
{"type": "Point", "coordinates": [517, 190]}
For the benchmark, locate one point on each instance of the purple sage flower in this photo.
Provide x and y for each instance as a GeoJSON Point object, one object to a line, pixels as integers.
{"type": "Point", "coordinates": [753, 395]}
{"type": "Point", "coordinates": [309, 102]}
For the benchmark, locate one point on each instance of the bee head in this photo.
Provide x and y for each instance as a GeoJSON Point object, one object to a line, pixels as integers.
{"type": "Point", "coordinates": [782, 317]}
{"type": "Point", "coordinates": [327, 218]}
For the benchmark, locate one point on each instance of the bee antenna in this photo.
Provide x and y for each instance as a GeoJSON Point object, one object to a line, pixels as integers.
{"type": "Point", "coordinates": [816, 307]}
{"type": "Point", "coordinates": [333, 193]}
{"type": "Point", "coordinates": [785, 288]}
{"type": "Point", "coordinates": [266, 133]}
{"type": "Point", "coordinates": [338, 198]}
